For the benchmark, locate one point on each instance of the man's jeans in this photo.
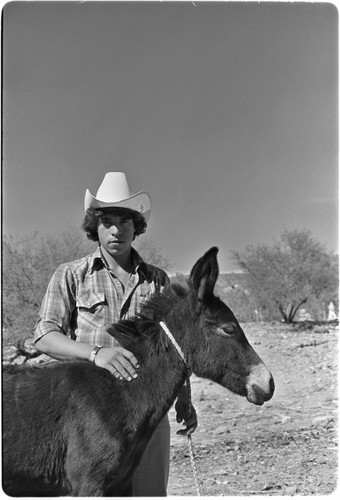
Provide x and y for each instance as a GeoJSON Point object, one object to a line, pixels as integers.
{"type": "Point", "coordinates": [151, 476]}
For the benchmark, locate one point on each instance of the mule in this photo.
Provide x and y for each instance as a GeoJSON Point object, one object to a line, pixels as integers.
{"type": "Point", "coordinates": [71, 428]}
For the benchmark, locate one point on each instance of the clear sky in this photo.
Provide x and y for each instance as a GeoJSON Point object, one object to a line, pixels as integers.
{"type": "Point", "coordinates": [226, 113]}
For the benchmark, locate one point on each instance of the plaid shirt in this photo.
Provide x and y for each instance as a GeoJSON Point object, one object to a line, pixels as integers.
{"type": "Point", "coordinates": [85, 295]}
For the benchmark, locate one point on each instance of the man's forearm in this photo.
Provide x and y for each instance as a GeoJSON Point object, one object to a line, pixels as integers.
{"type": "Point", "coordinates": [58, 346]}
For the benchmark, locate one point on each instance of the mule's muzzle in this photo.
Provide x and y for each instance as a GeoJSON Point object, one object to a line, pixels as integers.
{"type": "Point", "coordinates": [260, 385]}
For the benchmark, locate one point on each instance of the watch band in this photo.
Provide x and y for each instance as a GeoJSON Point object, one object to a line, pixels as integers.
{"type": "Point", "coordinates": [95, 352]}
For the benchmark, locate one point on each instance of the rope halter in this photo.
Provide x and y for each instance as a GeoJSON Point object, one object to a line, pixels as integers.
{"type": "Point", "coordinates": [175, 344]}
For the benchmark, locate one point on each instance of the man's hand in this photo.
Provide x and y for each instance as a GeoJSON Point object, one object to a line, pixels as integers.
{"type": "Point", "coordinates": [186, 413]}
{"type": "Point", "coordinates": [190, 423]}
{"type": "Point", "coordinates": [119, 361]}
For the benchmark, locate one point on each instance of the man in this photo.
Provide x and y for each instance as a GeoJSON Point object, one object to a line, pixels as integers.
{"type": "Point", "coordinates": [85, 296]}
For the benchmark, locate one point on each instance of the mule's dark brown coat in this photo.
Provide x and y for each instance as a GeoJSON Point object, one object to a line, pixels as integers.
{"type": "Point", "coordinates": [70, 428]}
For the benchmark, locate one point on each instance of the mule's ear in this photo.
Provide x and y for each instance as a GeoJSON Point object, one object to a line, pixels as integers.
{"type": "Point", "coordinates": [204, 274]}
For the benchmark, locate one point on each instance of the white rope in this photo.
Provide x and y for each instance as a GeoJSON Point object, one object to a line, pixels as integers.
{"type": "Point", "coordinates": [173, 340]}
{"type": "Point", "coordinates": [192, 459]}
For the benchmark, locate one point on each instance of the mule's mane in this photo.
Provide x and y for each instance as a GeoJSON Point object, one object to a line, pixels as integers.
{"type": "Point", "coordinates": [161, 303]}
{"type": "Point", "coordinates": [154, 310]}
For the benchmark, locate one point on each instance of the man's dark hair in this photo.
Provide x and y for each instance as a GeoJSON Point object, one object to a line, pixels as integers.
{"type": "Point", "coordinates": [93, 216]}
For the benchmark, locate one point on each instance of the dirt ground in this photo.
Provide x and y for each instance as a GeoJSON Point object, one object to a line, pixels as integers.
{"type": "Point", "coordinates": [288, 446]}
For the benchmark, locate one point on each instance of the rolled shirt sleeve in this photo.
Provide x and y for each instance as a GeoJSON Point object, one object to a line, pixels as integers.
{"type": "Point", "coordinates": [57, 305]}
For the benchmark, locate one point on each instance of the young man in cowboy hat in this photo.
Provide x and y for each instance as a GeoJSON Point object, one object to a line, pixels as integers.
{"type": "Point", "coordinates": [86, 295]}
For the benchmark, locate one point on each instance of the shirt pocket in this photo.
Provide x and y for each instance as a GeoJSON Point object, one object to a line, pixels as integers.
{"type": "Point", "coordinates": [91, 310]}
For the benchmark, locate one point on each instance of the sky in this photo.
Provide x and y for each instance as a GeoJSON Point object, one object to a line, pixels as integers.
{"type": "Point", "coordinates": [226, 113]}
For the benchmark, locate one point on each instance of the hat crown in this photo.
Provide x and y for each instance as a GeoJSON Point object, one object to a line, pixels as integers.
{"type": "Point", "coordinates": [114, 188]}
{"type": "Point", "coordinates": [115, 191]}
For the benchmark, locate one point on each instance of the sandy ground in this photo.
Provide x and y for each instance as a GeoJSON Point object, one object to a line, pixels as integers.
{"type": "Point", "coordinates": [288, 446]}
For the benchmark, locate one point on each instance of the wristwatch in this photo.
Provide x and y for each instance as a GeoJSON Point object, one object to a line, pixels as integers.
{"type": "Point", "coordinates": [95, 352]}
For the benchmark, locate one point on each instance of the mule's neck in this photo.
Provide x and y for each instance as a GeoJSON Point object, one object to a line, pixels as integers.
{"type": "Point", "coordinates": [161, 375]}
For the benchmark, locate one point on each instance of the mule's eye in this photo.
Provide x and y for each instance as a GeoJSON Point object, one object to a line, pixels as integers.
{"type": "Point", "coordinates": [228, 329]}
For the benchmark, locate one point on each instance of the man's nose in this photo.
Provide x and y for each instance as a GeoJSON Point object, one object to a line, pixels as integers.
{"type": "Point", "coordinates": [115, 229]}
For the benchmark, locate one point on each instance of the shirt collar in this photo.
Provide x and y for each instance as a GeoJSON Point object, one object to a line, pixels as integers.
{"type": "Point", "coordinates": [98, 262]}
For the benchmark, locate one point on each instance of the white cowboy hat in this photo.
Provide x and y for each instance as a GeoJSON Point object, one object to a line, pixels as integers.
{"type": "Point", "coordinates": [114, 191]}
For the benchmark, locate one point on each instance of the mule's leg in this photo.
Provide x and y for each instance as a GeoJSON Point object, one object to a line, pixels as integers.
{"type": "Point", "coordinates": [88, 474]}
{"type": "Point", "coordinates": [83, 475]}
{"type": "Point", "coordinates": [85, 485]}
{"type": "Point", "coordinates": [93, 455]}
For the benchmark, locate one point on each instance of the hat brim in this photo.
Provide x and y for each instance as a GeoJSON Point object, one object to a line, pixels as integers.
{"type": "Point", "coordinates": [139, 202]}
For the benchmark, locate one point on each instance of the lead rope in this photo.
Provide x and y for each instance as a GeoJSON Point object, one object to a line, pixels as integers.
{"type": "Point", "coordinates": [191, 452]}
{"type": "Point", "coordinates": [192, 459]}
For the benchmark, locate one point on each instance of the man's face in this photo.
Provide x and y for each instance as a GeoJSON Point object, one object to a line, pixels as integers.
{"type": "Point", "coordinates": [116, 233]}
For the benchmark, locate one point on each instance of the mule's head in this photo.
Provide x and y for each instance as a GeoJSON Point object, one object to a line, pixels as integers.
{"type": "Point", "coordinates": [219, 348]}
